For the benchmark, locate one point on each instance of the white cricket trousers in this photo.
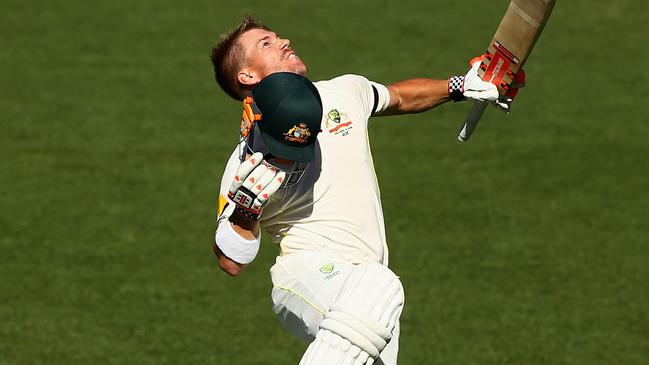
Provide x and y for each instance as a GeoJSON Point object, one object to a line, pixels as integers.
{"type": "Point", "coordinates": [305, 284]}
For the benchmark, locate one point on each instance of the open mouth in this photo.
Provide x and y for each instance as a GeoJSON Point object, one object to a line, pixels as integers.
{"type": "Point", "coordinates": [290, 55]}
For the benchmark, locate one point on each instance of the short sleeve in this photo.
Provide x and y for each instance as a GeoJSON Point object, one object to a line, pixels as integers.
{"type": "Point", "coordinates": [371, 97]}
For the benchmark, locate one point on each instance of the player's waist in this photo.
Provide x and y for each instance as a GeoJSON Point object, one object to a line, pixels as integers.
{"type": "Point", "coordinates": [351, 246]}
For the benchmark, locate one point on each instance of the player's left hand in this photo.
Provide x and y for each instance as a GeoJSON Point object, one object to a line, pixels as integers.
{"type": "Point", "coordinates": [253, 184]}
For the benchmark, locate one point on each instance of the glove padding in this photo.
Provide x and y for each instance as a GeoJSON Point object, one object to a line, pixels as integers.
{"type": "Point", "coordinates": [253, 185]}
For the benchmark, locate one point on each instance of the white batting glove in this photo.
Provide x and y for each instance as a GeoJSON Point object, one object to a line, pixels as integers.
{"type": "Point", "coordinates": [253, 185]}
{"type": "Point", "coordinates": [475, 88]}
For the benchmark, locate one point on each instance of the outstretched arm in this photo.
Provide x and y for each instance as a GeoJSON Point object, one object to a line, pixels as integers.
{"type": "Point", "coordinates": [416, 96]}
{"type": "Point", "coordinates": [419, 95]}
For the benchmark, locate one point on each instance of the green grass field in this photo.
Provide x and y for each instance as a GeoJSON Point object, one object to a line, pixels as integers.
{"type": "Point", "coordinates": [528, 245]}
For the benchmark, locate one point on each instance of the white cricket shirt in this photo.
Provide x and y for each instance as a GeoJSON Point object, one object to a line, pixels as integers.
{"type": "Point", "coordinates": [336, 205]}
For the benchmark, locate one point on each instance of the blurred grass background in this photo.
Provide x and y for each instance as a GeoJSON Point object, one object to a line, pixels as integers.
{"type": "Point", "coordinates": [527, 245]}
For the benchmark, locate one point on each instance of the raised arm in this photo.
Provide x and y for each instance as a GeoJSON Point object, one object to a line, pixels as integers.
{"type": "Point", "coordinates": [416, 96]}
{"type": "Point", "coordinates": [419, 95]}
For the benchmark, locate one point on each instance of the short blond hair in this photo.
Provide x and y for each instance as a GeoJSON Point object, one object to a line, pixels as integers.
{"type": "Point", "coordinates": [228, 57]}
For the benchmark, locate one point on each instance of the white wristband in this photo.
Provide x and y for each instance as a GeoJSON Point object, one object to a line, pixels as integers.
{"type": "Point", "coordinates": [235, 247]}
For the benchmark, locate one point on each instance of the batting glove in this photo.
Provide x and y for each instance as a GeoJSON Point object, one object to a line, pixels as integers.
{"type": "Point", "coordinates": [253, 185]}
{"type": "Point", "coordinates": [475, 88]}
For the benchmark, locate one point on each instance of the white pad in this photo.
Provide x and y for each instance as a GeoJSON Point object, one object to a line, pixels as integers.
{"type": "Point", "coordinates": [364, 313]}
{"type": "Point", "coordinates": [331, 349]}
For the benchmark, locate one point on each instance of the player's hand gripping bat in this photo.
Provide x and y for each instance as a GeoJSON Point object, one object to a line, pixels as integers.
{"type": "Point", "coordinates": [511, 45]}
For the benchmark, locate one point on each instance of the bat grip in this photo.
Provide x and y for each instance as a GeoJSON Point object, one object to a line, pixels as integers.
{"type": "Point", "coordinates": [471, 121]}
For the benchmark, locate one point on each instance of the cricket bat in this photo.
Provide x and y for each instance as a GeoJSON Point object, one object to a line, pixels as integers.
{"type": "Point", "coordinates": [511, 45]}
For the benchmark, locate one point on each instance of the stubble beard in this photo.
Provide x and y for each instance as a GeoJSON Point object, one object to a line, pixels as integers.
{"type": "Point", "coordinates": [301, 69]}
{"type": "Point", "coordinates": [297, 66]}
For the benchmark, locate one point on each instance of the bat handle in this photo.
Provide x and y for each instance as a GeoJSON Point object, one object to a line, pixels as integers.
{"type": "Point", "coordinates": [471, 121]}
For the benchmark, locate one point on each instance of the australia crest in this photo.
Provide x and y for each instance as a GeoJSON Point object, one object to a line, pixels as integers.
{"type": "Point", "coordinates": [298, 133]}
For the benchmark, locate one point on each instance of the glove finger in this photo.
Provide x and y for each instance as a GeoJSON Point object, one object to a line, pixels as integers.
{"type": "Point", "coordinates": [244, 169]}
{"type": "Point", "coordinates": [481, 95]}
{"type": "Point", "coordinates": [253, 178]}
{"type": "Point", "coordinates": [481, 86]}
{"type": "Point", "coordinates": [482, 91]}
{"type": "Point", "coordinates": [271, 188]}
{"type": "Point", "coordinates": [473, 72]}
{"type": "Point", "coordinates": [477, 59]}
{"type": "Point", "coordinates": [263, 181]}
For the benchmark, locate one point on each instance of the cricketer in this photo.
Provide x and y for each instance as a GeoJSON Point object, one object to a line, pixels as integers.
{"type": "Point", "coordinates": [303, 172]}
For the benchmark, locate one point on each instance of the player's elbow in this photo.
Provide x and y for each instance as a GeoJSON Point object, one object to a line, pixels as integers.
{"type": "Point", "coordinates": [230, 267]}
{"type": "Point", "coordinates": [232, 271]}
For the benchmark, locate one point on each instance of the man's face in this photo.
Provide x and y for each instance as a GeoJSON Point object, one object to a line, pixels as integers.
{"type": "Point", "coordinates": [267, 53]}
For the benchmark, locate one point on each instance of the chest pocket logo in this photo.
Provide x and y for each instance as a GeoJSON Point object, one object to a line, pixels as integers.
{"type": "Point", "coordinates": [338, 123]}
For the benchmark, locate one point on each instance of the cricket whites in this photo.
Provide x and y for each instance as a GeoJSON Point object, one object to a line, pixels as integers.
{"type": "Point", "coordinates": [511, 45]}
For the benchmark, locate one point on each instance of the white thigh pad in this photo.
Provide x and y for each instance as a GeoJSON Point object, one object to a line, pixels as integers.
{"type": "Point", "coordinates": [364, 313]}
